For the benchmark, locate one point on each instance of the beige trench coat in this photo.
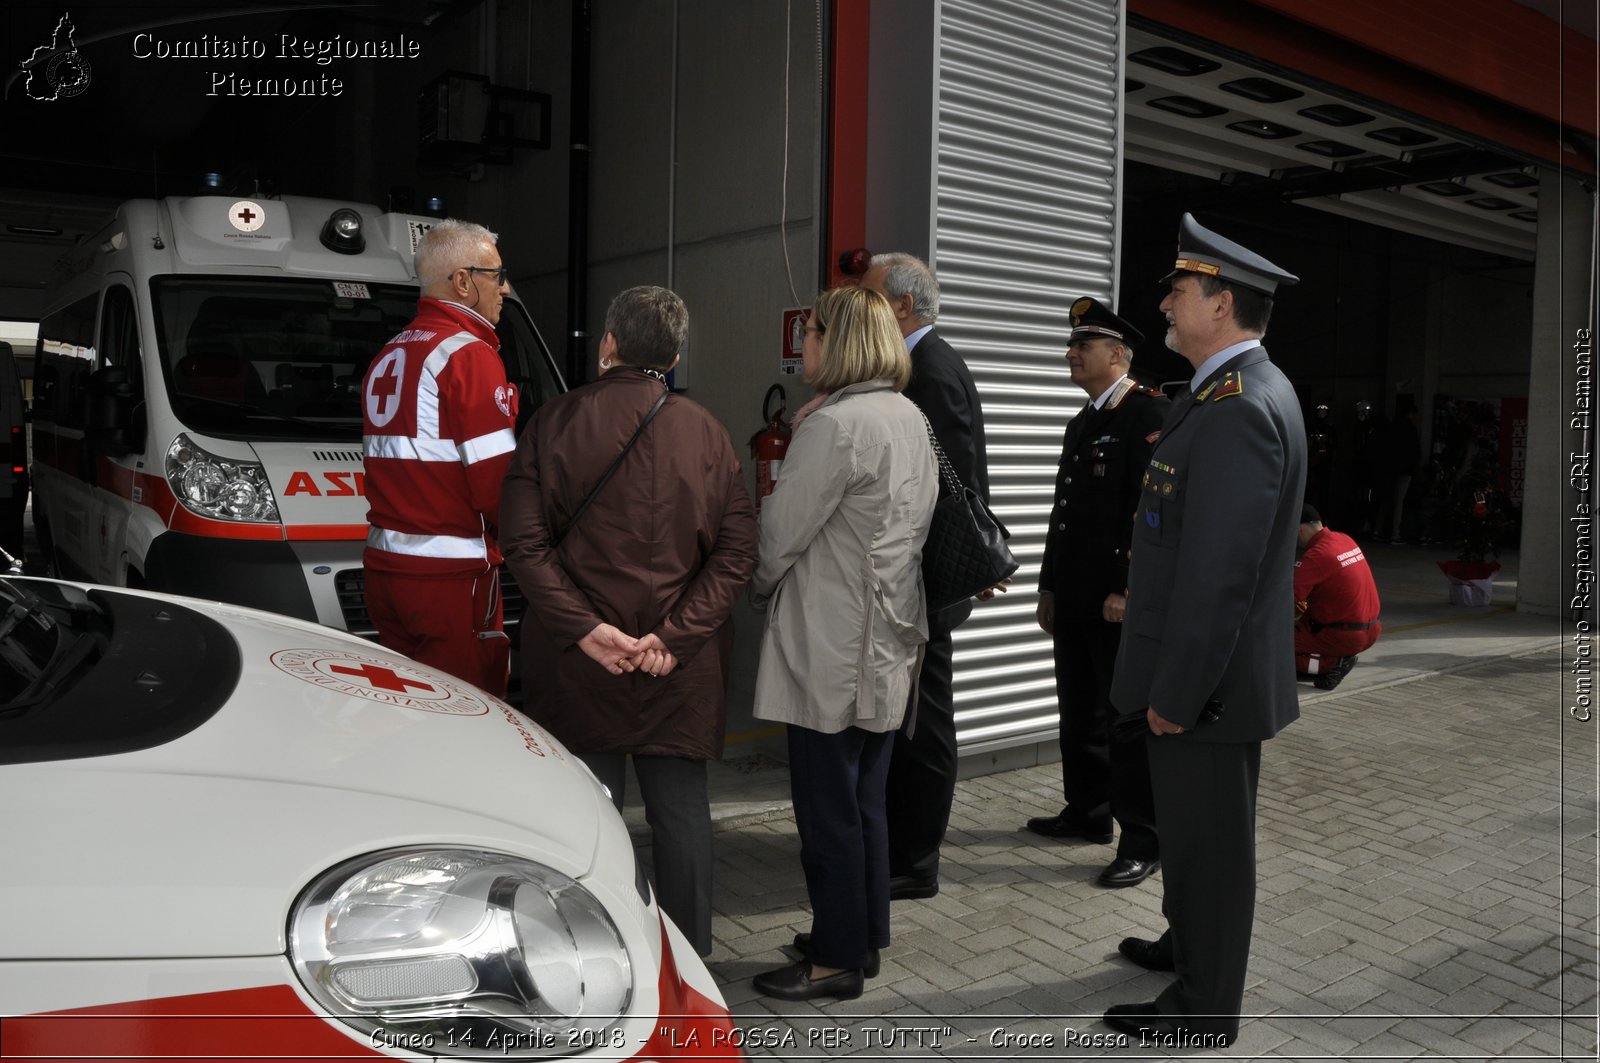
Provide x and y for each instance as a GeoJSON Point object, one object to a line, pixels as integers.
{"type": "Point", "coordinates": [841, 564]}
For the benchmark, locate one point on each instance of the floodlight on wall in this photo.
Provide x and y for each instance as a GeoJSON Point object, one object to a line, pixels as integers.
{"type": "Point", "coordinates": [465, 119]}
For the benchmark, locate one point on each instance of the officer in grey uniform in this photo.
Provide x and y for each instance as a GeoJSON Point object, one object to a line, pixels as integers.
{"type": "Point", "coordinates": [1208, 635]}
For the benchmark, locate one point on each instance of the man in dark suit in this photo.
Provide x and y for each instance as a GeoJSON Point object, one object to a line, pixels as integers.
{"type": "Point", "coordinates": [1082, 586]}
{"type": "Point", "coordinates": [922, 765]}
{"type": "Point", "coordinates": [1209, 634]}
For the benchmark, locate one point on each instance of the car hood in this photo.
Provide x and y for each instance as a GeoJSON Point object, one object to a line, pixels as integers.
{"type": "Point", "coordinates": [329, 748]}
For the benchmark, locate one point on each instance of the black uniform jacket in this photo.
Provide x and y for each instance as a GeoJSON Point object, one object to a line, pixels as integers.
{"type": "Point", "coordinates": [1103, 458]}
{"type": "Point", "coordinates": [1211, 602]}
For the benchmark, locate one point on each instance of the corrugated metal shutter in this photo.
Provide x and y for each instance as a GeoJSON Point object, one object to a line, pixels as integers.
{"type": "Point", "coordinates": [1028, 160]}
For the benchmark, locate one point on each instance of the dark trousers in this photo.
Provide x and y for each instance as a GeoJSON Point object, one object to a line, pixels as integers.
{"type": "Point", "coordinates": [679, 814]}
{"type": "Point", "coordinates": [837, 781]}
{"type": "Point", "coordinates": [922, 771]}
{"type": "Point", "coordinates": [1102, 778]}
{"type": "Point", "coordinates": [1206, 804]}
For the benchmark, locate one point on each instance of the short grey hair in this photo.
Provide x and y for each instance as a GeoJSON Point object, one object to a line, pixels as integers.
{"type": "Point", "coordinates": [650, 325]}
{"type": "Point", "coordinates": [908, 275]}
{"type": "Point", "coordinates": [447, 246]}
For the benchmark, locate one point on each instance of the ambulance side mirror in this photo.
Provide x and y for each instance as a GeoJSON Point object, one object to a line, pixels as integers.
{"type": "Point", "coordinates": [116, 412]}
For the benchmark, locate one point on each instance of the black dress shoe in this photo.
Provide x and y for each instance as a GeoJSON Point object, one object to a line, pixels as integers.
{"type": "Point", "coordinates": [802, 945]}
{"type": "Point", "coordinates": [1146, 1022]}
{"type": "Point", "coordinates": [1147, 954]}
{"type": "Point", "coordinates": [794, 982]}
{"type": "Point", "coordinates": [1125, 872]}
{"type": "Point", "coordinates": [1335, 675]}
{"type": "Point", "coordinates": [1059, 827]}
{"type": "Point", "coordinates": [912, 887]}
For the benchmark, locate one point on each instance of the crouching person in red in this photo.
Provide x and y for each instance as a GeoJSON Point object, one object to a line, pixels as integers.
{"type": "Point", "coordinates": [1335, 603]}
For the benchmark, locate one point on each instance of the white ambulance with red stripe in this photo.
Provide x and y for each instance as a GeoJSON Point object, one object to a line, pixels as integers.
{"type": "Point", "coordinates": [229, 834]}
{"type": "Point", "coordinates": [197, 411]}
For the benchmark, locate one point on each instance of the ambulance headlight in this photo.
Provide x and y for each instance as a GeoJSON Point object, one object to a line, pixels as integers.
{"type": "Point", "coordinates": [342, 232]}
{"type": "Point", "coordinates": [467, 949]}
{"type": "Point", "coordinates": [219, 488]}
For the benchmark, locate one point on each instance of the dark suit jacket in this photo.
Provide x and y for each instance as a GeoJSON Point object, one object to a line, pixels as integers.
{"type": "Point", "coordinates": [942, 386]}
{"type": "Point", "coordinates": [1103, 457]}
{"type": "Point", "coordinates": [1211, 612]}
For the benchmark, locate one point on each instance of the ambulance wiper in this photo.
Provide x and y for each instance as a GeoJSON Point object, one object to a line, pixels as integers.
{"type": "Point", "coordinates": [342, 425]}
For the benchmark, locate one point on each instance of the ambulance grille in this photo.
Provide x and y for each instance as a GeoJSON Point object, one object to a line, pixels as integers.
{"type": "Point", "coordinates": [350, 587]}
{"type": "Point", "coordinates": [348, 457]}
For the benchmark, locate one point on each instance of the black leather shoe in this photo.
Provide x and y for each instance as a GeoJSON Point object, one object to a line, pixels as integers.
{"type": "Point", "coordinates": [912, 887]}
{"type": "Point", "coordinates": [1146, 1022]}
{"type": "Point", "coordinates": [1057, 827]}
{"type": "Point", "coordinates": [802, 945]}
{"type": "Point", "coordinates": [1147, 954]}
{"type": "Point", "coordinates": [1125, 872]}
{"type": "Point", "coordinates": [794, 982]}
{"type": "Point", "coordinates": [1334, 676]}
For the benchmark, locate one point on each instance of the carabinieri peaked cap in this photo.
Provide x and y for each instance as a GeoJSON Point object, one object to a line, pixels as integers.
{"type": "Point", "coordinates": [1090, 318]}
{"type": "Point", "coordinates": [1202, 251]}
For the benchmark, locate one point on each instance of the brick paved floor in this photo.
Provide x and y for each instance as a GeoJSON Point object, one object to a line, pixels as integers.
{"type": "Point", "coordinates": [1427, 869]}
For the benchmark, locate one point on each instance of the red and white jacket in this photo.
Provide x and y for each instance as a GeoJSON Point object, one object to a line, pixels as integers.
{"type": "Point", "coordinates": [440, 432]}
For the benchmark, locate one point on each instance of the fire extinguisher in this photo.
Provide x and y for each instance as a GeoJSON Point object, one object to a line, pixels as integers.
{"type": "Point", "coordinates": [770, 444]}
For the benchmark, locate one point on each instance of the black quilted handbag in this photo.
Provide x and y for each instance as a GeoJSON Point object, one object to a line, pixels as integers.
{"type": "Point", "coordinates": [966, 550]}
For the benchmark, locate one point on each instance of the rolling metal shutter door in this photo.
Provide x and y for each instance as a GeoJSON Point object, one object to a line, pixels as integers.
{"type": "Point", "coordinates": [1028, 172]}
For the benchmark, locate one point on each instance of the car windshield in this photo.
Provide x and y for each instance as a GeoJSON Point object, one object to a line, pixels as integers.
{"type": "Point", "coordinates": [39, 643]}
{"type": "Point", "coordinates": [255, 357]}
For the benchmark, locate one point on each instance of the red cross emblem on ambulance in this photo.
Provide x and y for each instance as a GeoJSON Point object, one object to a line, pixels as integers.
{"type": "Point", "coordinates": [381, 680]}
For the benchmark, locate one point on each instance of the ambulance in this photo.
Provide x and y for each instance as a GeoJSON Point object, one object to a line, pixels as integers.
{"type": "Point", "coordinates": [231, 834]}
{"type": "Point", "coordinates": [197, 413]}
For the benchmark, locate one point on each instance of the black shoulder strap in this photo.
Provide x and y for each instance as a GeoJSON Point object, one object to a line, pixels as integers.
{"type": "Point", "coordinates": [637, 432]}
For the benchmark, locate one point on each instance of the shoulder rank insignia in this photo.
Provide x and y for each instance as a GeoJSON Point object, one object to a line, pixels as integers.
{"type": "Point", "coordinates": [1232, 384]}
{"type": "Point", "coordinates": [1153, 436]}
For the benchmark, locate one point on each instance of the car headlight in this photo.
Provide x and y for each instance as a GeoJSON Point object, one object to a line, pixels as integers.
{"type": "Point", "coordinates": [219, 488]}
{"type": "Point", "coordinates": [476, 949]}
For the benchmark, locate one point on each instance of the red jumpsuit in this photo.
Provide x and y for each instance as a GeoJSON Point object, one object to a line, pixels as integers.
{"type": "Point", "coordinates": [1335, 601]}
{"type": "Point", "coordinates": [440, 433]}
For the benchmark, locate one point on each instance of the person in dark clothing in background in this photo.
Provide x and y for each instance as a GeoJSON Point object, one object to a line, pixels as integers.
{"type": "Point", "coordinates": [922, 767]}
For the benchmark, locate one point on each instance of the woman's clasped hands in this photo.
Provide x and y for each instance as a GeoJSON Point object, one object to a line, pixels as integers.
{"type": "Point", "coordinates": [620, 653]}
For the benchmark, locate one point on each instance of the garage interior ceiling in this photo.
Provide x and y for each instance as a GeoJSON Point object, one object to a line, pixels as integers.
{"type": "Point", "coordinates": [1261, 135]}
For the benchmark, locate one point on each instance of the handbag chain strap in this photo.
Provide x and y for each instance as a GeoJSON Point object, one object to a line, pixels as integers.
{"type": "Point", "coordinates": [637, 432]}
{"type": "Point", "coordinates": [947, 472]}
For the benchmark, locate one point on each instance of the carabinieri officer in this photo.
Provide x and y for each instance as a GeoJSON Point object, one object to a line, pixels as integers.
{"type": "Point", "coordinates": [1208, 638]}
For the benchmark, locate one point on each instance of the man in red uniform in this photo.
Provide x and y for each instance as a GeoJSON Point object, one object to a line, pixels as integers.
{"type": "Point", "coordinates": [1335, 603]}
{"type": "Point", "coordinates": [440, 420]}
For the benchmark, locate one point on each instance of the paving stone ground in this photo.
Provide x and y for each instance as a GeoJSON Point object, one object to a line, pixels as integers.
{"type": "Point", "coordinates": [1427, 890]}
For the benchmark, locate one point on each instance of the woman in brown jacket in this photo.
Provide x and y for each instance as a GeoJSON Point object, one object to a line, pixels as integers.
{"type": "Point", "coordinates": [627, 633]}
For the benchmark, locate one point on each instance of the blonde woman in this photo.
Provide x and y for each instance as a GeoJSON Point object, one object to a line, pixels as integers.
{"type": "Point", "coordinates": [841, 574]}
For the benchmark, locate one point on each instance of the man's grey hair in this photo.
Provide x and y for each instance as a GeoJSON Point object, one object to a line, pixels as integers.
{"type": "Point", "coordinates": [449, 245]}
{"type": "Point", "coordinates": [650, 325]}
{"type": "Point", "coordinates": [909, 275]}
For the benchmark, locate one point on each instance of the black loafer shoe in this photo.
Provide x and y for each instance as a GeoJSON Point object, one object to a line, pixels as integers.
{"type": "Point", "coordinates": [802, 945]}
{"type": "Point", "coordinates": [1146, 1022]}
{"type": "Point", "coordinates": [794, 982]}
{"type": "Point", "coordinates": [1147, 954]}
{"type": "Point", "coordinates": [912, 887]}
{"type": "Point", "coordinates": [1335, 675]}
{"type": "Point", "coordinates": [1057, 827]}
{"type": "Point", "coordinates": [1125, 872]}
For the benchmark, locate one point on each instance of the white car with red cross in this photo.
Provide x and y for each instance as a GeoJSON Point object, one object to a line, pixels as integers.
{"type": "Point", "coordinates": [229, 833]}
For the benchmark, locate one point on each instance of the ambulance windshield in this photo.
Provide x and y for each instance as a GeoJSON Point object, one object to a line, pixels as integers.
{"type": "Point", "coordinates": [254, 357]}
